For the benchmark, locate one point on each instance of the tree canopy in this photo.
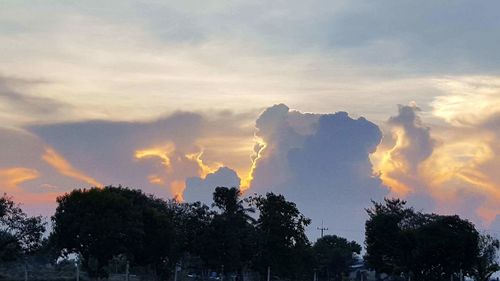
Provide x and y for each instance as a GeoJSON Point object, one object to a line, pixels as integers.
{"type": "Point", "coordinates": [283, 244]}
{"type": "Point", "coordinates": [428, 247]}
{"type": "Point", "coordinates": [334, 255]}
{"type": "Point", "coordinates": [19, 233]}
{"type": "Point", "coordinates": [100, 223]}
{"type": "Point", "coordinates": [116, 225]}
{"type": "Point", "coordinates": [486, 262]}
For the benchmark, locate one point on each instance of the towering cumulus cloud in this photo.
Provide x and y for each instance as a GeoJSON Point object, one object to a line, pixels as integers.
{"type": "Point", "coordinates": [406, 144]}
{"type": "Point", "coordinates": [201, 189]}
{"type": "Point", "coordinates": [450, 169]}
{"type": "Point", "coordinates": [322, 163]}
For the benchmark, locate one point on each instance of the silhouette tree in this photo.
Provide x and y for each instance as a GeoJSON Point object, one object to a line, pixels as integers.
{"type": "Point", "coordinates": [388, 244]}
{"type": "Point", "coordinates": [230, 240]}
{"type": "Point", "coordinates": [99, 224]}
{"type": "Point", "coordinates": [445, 245]}
{"type": "Point", "coordinates": [282, 243]}
{"type": "Point", "coordinates": [486, 263]}
{"type": "Point", "coordinates": [334, 255]}
{"type": "Point", "coordinates": [426, 246]}
{"type": "Point", "coordinates": [19, 233]}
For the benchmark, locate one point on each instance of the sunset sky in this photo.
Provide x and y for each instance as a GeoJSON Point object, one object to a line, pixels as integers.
{"type": "Point", "coordinates": [332, 103]}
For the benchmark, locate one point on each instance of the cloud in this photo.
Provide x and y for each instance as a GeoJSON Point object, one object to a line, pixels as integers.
{"type": "Point", "coordinates": [466, 162]}
{"type": "Point", "coordinates": [450, 169]}
{"type": "Point", "coordinates": [228, 55]}
{"type": "Point", "coordinates": [26, 176]}
{"type": "Point", "coordinates": [158, 155]}
{"type": "Point", "coordinates": [202, 188]}
{"type": "Point", "coordinates": [320, 161]}
{"type": "Point", "coordinates": [19, 104]}
{"type": "Point", "coordinates": [467, 100]}
{"type": "Point", "coordinates": [12, 177]}
{"type": "Point", "coordinates": [406, 144]}
{"type": "Point", "coordinates": [64, 167]}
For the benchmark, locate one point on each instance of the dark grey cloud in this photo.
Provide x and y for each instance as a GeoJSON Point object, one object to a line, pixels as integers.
{"type": "Point", "coordinates": [325, 168]}
{"type": "Point", "coordinates": [423, 37]}
{"type": "Point", "coordinates": [414, 37]}
{"type": "Point", "coordinates": [18, 102]}
{"type": "Point", "coordinates": [201, 189]}
{"type": "Point", "coordinates": [420, 144]}
{"type": "Point", "coordinates": [107, 149]}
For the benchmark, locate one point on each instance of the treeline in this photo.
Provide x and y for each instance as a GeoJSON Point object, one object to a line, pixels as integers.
{"type": "Point", "coordinates": [261, 234]}
{"type": "Point", "coordinates": [99, 224]}
{"type": "Point", "coordinates": [417, 246]}
{"type": "Point", "coordinates": [103, 226]}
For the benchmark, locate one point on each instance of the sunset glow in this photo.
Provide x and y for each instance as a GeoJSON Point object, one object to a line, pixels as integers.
{"type": "Point", "coordinates": [331, 103]}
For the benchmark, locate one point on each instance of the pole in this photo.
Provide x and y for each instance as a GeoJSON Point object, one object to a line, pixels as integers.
{"type": "Point", "coordinates": [268, 273]}
{"type": "Point", "coordinates": [322, 229]}
{"type": "Point", "coordinates": [77, 271]}
{"type": "Point", "coordinates": [222, 273]}
{"type": "Point", "coordinates": [315, 276]}
{"type": "Point", "coordinates": [127, 268]}
{"type": "Point", "coordinates": [461, 275]}
{"type": "Point", "coordinates": [175, 271]}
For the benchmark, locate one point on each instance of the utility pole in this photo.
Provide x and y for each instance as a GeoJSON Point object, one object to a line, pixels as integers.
{"type": "Point", "coordinates": [176, 270]}
{"type": "Point", "coordinates": [322, 228]}
{"type": "Point", "coordinates": [77, 271]}
{"type": "Point", "coordinates": [127, 271]}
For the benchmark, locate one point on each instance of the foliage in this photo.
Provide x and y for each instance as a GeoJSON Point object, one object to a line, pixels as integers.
{"type": "Point", "coordinates": [486, 262]}
{"type": "Point", "coordinates": [427, 246]}
{"type": "Point", "coordinates": [334, 255]}
{"type": "Point", "coordinates": [19, 233]}
{"type": "Point", "coordinates": [444, 245]}
{"type": "Point", "coordinates": [282, 243]}
{"type": "Point", "coordinates": [230, 239]}
{"type": "Point", "coordinates": [98, 224]}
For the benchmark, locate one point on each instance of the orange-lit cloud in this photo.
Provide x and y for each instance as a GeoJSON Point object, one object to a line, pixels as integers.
{"type": "Point", "coordinates": [467, 100]}
{"type": "Point", "coordinates": [65, 168]}
{"type": "Point", "coordinates": [176, 167]}
{"type": "Point", "coordinates": [457, 168]}
{"type": "Point", "coordinates": [204, 168]}
{"type": "Point", "coordinates": [259, 147]}
{"type": "Point", "coordinates": [163, 152]}
{"type": "Point", "coordinates": [390, 166]}
{"type": "Point", "coordinates": [10, 178]}
{"type": "Point", "coordinates": [464, 156]}
{"type": "Point", "coordinates": [177, 188]}
{"type": "Point", "coordinates": [405, 146]}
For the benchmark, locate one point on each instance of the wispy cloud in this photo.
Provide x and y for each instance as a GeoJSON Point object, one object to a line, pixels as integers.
{"type": "Point", "coordinates": [64, 167]}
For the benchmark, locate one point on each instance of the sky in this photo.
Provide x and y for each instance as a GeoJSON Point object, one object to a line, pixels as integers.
{"type": "Point", "coordinates": [331, 103]}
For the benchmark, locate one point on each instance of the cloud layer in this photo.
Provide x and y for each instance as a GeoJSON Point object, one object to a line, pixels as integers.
{"type": "Point", "coordinates": [332, 165]}
{"type": "Point", "coordinates": [138, 92]}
